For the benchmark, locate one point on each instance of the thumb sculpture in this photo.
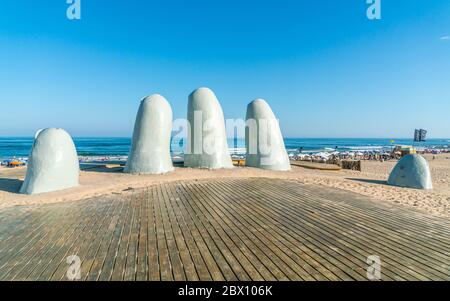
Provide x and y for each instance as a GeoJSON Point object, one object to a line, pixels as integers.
{"type": "Point", "coordinates": [53, 163]}
{"type": "Point", "coordinates": [412, 171]}
{"type": "Point", "coordinates": [150, 150]}
{"type": "Point", "coordinates": [207, 141]}
{"type": "Point", "coordinates": [263, 138]}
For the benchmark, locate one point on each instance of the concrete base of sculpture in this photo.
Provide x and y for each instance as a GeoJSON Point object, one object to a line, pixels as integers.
{"type": "Point", "coordinates": [263, 139]}
{"type": "Point", "coordinates": [53, 163]}
{"type": "Point", "coordinates": [207, 140]}
{"type": "Point", "coordinates": [412, 171]}
{"type": "Point", "coordinates": [150, 150]}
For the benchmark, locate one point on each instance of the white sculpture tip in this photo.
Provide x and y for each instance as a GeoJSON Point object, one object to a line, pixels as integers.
{"type": "Point", "coordinates": [202, 90]}
{"type": "Point", "coordinates": [53, 132]}
{"type": "Point", "coordinates": [259, 101]}
{"type": "Point", "coordinates": [153, 97]}
{"type": "Point", "coordinates": [37, 133]}
{"type": "Point", "coordinates": [205, 89]}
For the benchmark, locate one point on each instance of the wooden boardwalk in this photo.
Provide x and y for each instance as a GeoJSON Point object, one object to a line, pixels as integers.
{"type": "Point", "coordinates": [226, 229]}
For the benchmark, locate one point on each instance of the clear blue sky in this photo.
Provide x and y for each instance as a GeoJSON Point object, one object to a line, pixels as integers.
{"type": "Point", "coordinates": [326, 70]}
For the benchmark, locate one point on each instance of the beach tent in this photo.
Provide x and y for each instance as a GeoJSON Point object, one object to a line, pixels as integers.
{"type": "Point", "coordinates": [16, 164]}
{"type": "Point", "coordinates": [412, 171]}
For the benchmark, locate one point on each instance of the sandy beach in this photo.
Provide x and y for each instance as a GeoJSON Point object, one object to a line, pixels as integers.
{"type": "Point", "coordinates": [370, 182]}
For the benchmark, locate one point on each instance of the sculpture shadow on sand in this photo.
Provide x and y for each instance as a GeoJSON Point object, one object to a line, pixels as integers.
{"type": "Point", "coordinates": [10, 185]}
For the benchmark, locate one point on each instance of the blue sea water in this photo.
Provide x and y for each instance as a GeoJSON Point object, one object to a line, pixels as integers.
{"type": "Point", "coordinates": [20, 147]}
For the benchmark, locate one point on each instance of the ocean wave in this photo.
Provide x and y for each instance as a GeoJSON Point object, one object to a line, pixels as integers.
{"type": "Point", "coordinates": [367, 147]}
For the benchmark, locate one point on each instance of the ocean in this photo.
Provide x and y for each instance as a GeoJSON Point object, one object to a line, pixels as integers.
{"type": "Point", "coordinates": [11, 147]}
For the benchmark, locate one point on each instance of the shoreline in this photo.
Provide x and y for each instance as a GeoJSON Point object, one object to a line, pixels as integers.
{"type": "Point", "coordinates": [359, 153]}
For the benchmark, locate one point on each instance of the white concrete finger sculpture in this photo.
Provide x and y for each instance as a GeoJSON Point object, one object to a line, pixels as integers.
{"type": "Point", "coordinates": [412, 171]}
{"type": "Point", "coordinates": [53, 163]}
{"type": "Point", "coordinates": [150, 149]}
{"type": "Point", "coordinates": [207, 141]}
{"type": "Point", "coordinates": [263, 138]}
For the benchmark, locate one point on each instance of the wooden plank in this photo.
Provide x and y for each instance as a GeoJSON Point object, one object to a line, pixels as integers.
{"type": "Point", "coordinates": [142, 254]}
{"type": "Point", "coordinates": [153, 256]}
{"type": "Point", "coordinates": [224, 229]}
{"type": "Point", "coordinates": [318, 236]}
{"type": "Point", "coordinates": [259, 229]}
{"type": "Point", "coordinates": [298, 250]}
{"type": "Point", "coordinates": [110, 238]}
{"type": "Point", "coordinates": [391, 249]}
{"type": "Point", "coordinates": [165, 263]}
{"type": "Point", "coordinates": [385, 213]}
{"type": "Point", "coordinates": [18, 265]}
{"type": "Point", "coordinates": [110, 257]}
{"type": "Point", "coordinates": [69, 249]}
{"type": "Point", "coordinates": [255, 268]}
{"type": "Point", "coordinates": [257, 247]}
{"type": "Point", "coordinates": [334, 226]}
{"type": "Point", "coordinates": [35, 230]}
{"type": "Point", "coordinates": [197, 258]}
{"type": "Point", "coordinates": [52, 251]}
{"type": "Point", "coordinates": [97, 244]}
{"type": "Point", "coordinates": [177, 236]}
{"type": "Point", "coordinates": [81, 250]}
{"type": "Point", "coordinates": [389, 223]}
{"type": "Point", "coordinates": [131, 261]}
{"type": "Point", "coordinates": [178, 269]}
{"type": "Point", "coordinates": [211, 244]}
{"type": "Point", "coordinates": [121, 253]}
{"type": "Point", "coordinates": [228, 254]}
{"type": "Point", "coordinates": [353, 261]}
{"type": "Point", "coordinates": [219, 270]}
